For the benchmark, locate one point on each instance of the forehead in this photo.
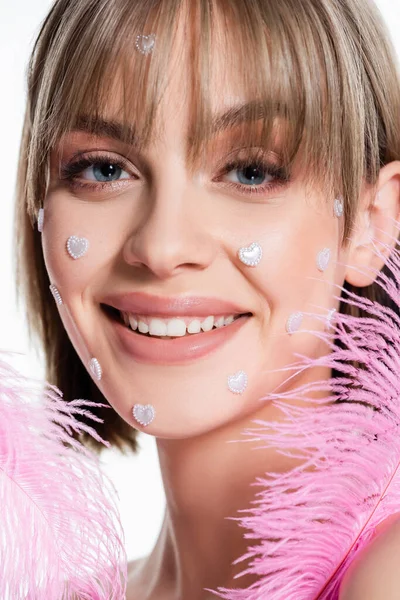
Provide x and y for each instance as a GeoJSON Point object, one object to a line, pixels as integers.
{"type": "Point", "coordinates": [207, 74]}
{"type": "Point", "coordinates": [184, 78]}
{"type": "Point", "coordinates": [219, 95]}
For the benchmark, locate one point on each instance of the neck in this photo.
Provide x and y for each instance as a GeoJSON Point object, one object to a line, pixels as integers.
{"type": "Point", "coordinates": [206, 480]}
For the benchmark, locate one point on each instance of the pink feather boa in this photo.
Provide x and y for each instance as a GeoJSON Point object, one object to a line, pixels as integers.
{"type": "Point", "coordinates": [61, 536]}
{"type": "Point", "coordinates": [310, 535]}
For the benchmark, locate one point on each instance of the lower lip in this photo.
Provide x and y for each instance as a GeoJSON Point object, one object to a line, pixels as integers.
{"type": "Point", "coordinates": [178, 350]}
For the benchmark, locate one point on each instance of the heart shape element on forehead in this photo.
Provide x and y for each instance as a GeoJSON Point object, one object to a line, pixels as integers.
{"type": "Point", "coordinates": [77, 246]}
{"type": "Point", "coordinates": [144, 414]}
{"type": "Point", "coordinates": [145, 43]}
{"type": "Point", "coordinates": [237, 383]}
{"type": "Point", "coordinates": [323, 259]}
{"type": "Point", "coordinates": [251, 255]}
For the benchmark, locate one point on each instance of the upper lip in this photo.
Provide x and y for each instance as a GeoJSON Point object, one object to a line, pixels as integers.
{"type": "Point", "coordinates": [140, 303]}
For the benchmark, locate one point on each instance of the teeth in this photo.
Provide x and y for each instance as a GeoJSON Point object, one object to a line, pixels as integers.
{"type": "Point", "coordinates": [194, 326]}
{"type": "Point", "coordinates": [219, 322]}
{"type": "Point", "coordinates": [158, 327]}
{"type": "Point", "coordinates": [174, 327]}
{"type": "Point", "coordinates": [131, 321]}
{"type": "Point", "coordinates": [143, 327]}
{"type": "Point", "coordinates": [208, 324]}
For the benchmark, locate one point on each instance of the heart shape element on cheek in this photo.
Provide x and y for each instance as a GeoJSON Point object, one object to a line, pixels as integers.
{"type": "Point", "coordinates": [144, 414]}
{"type": "Point", "coordinates": [145, 43]}
{"type": "Point", "coordinates": [40, 220]}
{"type": "Point", "coordinates": [56, 294]}
{"type": "Point", "coordinates": [323, 259]}
{"type": "Point", "coordinates": [251, 255]}
{"type": "Point", "coordinates": [95, 369]}
{"type": "Point", "coordinates": [294, 322]}
{"type": "Point", "coordinates": [77, 246]}
{"type": "Point", "coordinates": [237, 383]}
{"type": "Point", "coordinates": [338, 207]}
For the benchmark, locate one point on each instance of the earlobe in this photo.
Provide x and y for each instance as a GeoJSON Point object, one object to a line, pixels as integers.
{"type": "Point", "coordinates": [376, 230]}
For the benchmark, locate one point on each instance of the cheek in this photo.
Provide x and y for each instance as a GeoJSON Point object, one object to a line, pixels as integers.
{"type": "Point", "coordinates": [289, 272]}
{"type": "Point", "coordinates": [90, 226]}
{"type": "Point", "coordinates": [78, 279]}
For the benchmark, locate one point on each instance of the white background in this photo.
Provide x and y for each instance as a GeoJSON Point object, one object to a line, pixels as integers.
{"type": "Point", "coordinates": [137, 478]}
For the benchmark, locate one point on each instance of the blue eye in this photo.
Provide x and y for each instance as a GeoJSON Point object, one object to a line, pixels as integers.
{"type": "Point", "coordinates": [251, 175]}
{"type": "Point", "coordinates": [104, 171]}
{"type": "Point", "coordinates": [254, 176]}
{"type": "Point", "coordinates": [92, 170]}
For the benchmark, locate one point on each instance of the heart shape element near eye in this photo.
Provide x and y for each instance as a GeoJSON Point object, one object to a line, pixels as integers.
{"type": "Point", "coordinates": [145, 43]}
{"type": "Point", "coordinates": [237, 383]}
{"type": "Point", "coordinates": [77, 246]}
{"type": "Point", "coordinates": [252, 255]}
{"type": "Point", "coordinates": [144, 414]}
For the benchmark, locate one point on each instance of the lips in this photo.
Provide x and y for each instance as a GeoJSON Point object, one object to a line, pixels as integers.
{"type": "Point", "coordinates": [175, 350]}
{"type": "Point", "coordinates": [169, 306]}
{"type": "Point", "coordinates": [181, 350]}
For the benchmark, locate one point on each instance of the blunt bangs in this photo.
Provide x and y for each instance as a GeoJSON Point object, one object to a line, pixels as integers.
{"type": "Point", "coordinates": [282, 60]}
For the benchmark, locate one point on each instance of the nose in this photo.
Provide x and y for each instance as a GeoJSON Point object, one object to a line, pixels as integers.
{"type": "Point", "coordinates": [172, 237]}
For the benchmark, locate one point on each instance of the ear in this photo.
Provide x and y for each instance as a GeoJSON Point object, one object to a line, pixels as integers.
{"type": "Point", "coordinates": [375, 227]}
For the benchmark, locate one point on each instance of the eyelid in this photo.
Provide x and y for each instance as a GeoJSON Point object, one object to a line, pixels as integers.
{"type": "Point", "coordinates": [83, 160]}
{"type": "Point", "coordinates": [237, 159]}
{"type": "Point", "coordinates": [252, 154]}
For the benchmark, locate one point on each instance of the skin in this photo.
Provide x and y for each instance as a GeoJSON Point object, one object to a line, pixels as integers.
{"type": "Point", "coordinates": [374, 573]}
{"type": "Point", "coordinates": [167, 231]}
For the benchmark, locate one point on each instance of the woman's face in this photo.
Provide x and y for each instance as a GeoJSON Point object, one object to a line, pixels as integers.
{"type": "Point", "coordinates": [154, 227]}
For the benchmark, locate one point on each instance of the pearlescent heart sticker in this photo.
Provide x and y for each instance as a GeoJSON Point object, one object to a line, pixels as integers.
{"type": "Point", "coordinates": [77, 246]}
{"type": "Point", "coordinates": [145, 43]}
{"type": "Point", "coordinates": [56, 294]}
{"type": "Point", "coordinates": [95, 369]}
{"type": "Point", "coordinates": [329, 318]}
{"type": "Point", "coordinates": [294, 322]}
{"type": "Point", "coordinates": [237, 383]}
{"type": "Point", "coordinates": [251, 255]}
{"type": "Point", "coordinates": [323, 259]}
{"type": "Point", "coordinates": [40, 220]}
{"type": "Point", "coordinates": [144, 414]}
{"type": "Point", "coordinates": [338, 207]}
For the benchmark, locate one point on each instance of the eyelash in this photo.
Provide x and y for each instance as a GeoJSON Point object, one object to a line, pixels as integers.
{"type": "Point", "coordinates": [70, 172]}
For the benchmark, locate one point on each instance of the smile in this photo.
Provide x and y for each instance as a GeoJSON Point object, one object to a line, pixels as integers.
{"type": "Point", "coordinates": [171, 341]}
{"type": "Point", "coordinates": [177, 326]}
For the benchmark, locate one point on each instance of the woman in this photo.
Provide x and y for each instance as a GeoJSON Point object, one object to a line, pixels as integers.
{"type": "Point", "coordinates": [202, 175]}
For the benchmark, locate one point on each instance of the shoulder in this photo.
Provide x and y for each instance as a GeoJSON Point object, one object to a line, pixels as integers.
{"type": "Point", "coordinates": [375, 573]}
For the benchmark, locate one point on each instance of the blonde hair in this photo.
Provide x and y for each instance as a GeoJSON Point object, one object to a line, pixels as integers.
{"type": "Point", "coordinates": [324, 68]}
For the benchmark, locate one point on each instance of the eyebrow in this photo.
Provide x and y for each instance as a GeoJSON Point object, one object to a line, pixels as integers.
{"type": "Point", "coordinates": [243, 113]}
{"type": "Point", "coordinates": [105, 128]}
{"type": "Point", "coordinates": [234, 116]}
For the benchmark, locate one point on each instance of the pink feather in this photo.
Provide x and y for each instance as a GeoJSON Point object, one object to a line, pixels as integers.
{"type": "Point", "coordinates": [61, 537]}
{"type": "Point", "coordinates": [353, 449]}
